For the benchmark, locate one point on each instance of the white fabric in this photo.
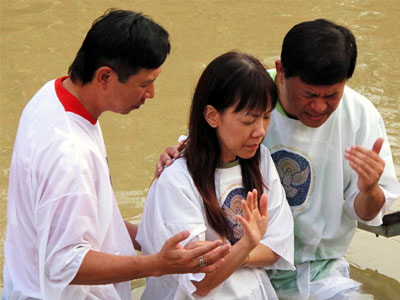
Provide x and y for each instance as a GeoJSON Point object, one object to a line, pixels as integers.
{"type": "Point", "coordinates": [174, 204]}
{"type": "Point", "coordinates": [321, 186]}
{"type": "Point", "coordinates": [60, 205]}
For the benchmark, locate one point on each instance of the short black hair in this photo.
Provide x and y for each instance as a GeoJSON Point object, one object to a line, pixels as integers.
{"type": "Point", "coordinates": [320, 52]}
{"type": "Point", "coordinates": [124, 40]}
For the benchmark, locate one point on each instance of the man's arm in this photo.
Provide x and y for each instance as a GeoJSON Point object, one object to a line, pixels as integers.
{"type": "Point", "coordinates": [103, 268]}
{"type": "Point", "coordinates": [369, 167]}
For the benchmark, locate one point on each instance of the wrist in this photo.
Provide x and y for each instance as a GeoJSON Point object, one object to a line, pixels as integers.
{"type": "Point", "coordinates": [246, 261]}
{"type": "Point", "coordinates": [156, 264]}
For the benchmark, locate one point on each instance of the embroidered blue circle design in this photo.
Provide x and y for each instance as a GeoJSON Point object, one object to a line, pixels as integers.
{"type": "Point", "coordinates": [233, 206]}
{"type": "Point", "coordinates": [294, 172]}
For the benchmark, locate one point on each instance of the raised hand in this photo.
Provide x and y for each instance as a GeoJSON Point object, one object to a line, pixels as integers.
{"type": "Point", "coordinates": [255, 221]}
{"type": "Point", "coordinates": [367, 164]}
{"type": "Point", "coordinates": [176, 259]}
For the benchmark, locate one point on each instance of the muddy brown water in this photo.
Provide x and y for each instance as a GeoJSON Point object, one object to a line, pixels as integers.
{"type": "Point", "coordinates": [39, 40]}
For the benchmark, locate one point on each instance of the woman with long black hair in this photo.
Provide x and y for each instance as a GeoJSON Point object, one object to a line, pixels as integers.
{"type": "Point", "coordinates": [224, 186]}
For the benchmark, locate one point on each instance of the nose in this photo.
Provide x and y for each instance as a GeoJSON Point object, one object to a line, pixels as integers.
{"type": "Point", "coordinates": [260, 129]}
{"type": "Point", "coordinates": [149, 93]}
{"type": "Point", "coordinates": [318, 105]}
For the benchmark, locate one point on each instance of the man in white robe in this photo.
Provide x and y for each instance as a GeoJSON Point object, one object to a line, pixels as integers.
{"type": "Point", "coordinates": [330, 148]}
{"type": "Point", "coordinates": [65, 237]}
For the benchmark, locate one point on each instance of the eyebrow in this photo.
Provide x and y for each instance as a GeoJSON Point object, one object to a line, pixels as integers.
{"type": "Point", "coordinates": [148, 81]}
{"type": "Point", "coordinates": [317, 94]}
{"type": "Point", "coordinates": [257, 115]}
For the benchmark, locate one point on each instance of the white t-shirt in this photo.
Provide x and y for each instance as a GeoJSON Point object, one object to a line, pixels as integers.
{"type": "Point", "coordinates": [60, 202]}
{"type": "Point", "coordinates": [319, 183]}
{"type": "Point", "coordinates": [174, 204]}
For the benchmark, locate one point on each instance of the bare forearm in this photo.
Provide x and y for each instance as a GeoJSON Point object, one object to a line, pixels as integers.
{"type": "Point", "coordinates": [262, 256]}
{"type": "Point", "coordinates": [103, 268]}
{"type": "Point", "coordinates": [368, 205]}
{"type": "Point", "coordinates": [232, 262]}
{"type": "Point", "coordinates": [254, 222]}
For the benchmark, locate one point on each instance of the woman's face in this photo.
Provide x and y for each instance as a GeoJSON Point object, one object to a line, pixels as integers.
{"type": "Point", "coordinates": [239, 133]}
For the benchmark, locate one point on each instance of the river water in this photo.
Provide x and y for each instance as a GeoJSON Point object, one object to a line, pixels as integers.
{"type": "Point", "coordinates": [39, 40]}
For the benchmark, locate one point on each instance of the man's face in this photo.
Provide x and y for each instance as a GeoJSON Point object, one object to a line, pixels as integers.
{"type": "Point", "coordinates": [130, 95]}
{"type": "Point", "coordinates": [310, 104]}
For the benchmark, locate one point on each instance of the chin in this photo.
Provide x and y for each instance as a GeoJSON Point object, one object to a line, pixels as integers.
{"type": "Point", "coordinates": [313, 124]}
{"type": "Point", "coordinates": [247, 155]}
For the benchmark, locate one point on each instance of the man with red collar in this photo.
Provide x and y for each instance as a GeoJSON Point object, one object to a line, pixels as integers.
{"type": "Point", "coordinates": [65, 236]}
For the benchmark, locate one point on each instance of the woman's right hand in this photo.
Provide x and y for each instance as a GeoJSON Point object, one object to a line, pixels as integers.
{"type": "Point", "coordinates": [254, 221]}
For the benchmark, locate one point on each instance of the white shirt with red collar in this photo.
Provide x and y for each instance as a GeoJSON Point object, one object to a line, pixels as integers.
{"type": "Point", "coordinates": [60, 202]}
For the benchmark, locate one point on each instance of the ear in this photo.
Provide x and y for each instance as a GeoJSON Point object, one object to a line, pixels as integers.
{"type": "Point", "coordinates": [103, 76]}
{"type": "Point", "coordinates": [279, 71]}
{"type": "Point", "coordinates": [211, 115]}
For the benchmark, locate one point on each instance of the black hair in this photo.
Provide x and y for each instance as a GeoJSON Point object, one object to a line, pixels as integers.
{"type": "Point", "coordinates": [124, 40]}
{"type": "Point", "coordinates": [320, 52]}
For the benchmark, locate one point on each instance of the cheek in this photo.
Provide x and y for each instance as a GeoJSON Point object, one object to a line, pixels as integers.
{"type": "Point", "coordinates": [266, 124]}
{"type": "Point", "coordinates": [334, 105]}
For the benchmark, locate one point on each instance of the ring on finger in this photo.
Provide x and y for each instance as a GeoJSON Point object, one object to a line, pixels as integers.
{"type": "Point", "coordinates": [202, 263]}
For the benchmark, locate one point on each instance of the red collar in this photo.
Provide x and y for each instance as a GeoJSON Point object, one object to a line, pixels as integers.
{"type": "Point", "coordinates": [70, 102]}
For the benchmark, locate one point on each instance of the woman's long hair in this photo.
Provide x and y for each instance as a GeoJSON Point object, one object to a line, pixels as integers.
{"type": "Point", "coordinates": [232, 79]}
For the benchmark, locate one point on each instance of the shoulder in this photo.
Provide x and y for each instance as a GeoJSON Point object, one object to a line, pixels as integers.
{"type": "Point", "coordinates": [357, 109]}
{"type": "Point", "coordinates": [353, 100]}
{"type": "Point", "coordinates": [267, 165]}
{"type": "Point", "coordinates": [177, 174]}
{"type": "Point", "coordinates": [264, 151]}
{"type": "Point", "coordinates": [265, 155]}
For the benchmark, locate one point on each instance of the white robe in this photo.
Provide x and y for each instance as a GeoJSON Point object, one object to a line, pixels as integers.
{"type": "Point", "coordinates": [174, 204]}
{"type": "Point", "coordinates": [60, 202]}
{"type": "Point", "coordinates": [321, 188]}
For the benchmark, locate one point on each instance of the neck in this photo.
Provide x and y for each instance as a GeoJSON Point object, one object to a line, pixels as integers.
{"type": "Point", "coordinates": [84, 95]}
{"type": "Point", "coordinates": [282, 99]}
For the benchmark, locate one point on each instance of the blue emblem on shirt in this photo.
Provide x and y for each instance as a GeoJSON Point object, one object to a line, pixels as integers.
{"type": "Point", "coordinates": [233, 206]}
{"type": "Point", "coordinates": [295, 175]}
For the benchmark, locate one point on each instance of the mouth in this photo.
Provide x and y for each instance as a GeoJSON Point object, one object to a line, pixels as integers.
{"type": "Point", "coordinates": [316, 117]}
{"type": "Point", "coordinates": [253, 147]}
{"type": "Point", "coordinates": [137, 106]}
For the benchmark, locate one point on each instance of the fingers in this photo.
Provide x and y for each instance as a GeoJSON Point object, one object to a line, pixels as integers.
{"type": "Point", "coordinates": [366, 163]}
{"type": "Point", "coordinates": [166, 158]}
{"type": "Point", "coordinates": [214, 258]}
{"type": "Point", "coordinates": [253, 200]}
{"type": "Point", "coordinates": [362, 158]}
{"type": "Point", "coordinates": [174, 241]}
{"type": "Point", "coordinates": [196, 244]}
{"type": "Point", "coordinates": [378, 145]}
{"type": "Point", "coordinates": [250, 204]}
{"type": "Point", "coordinates": [212, 267]}
{"type": "Point", "coordinates": [203, 249]}
{"type": "Point", "coordinates": [264, 205]}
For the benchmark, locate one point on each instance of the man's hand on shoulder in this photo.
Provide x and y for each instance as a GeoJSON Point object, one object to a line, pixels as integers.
{"type": "Point", "coordinates": [166, 158]}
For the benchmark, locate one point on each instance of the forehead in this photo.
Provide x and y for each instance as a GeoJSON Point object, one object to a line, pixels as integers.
{"type": "Point", "coordinates": [318, 89]}
{"type": "Point", "coordinates": [252, 112]}
{"type": "Point", "coordinates": [146, 75]}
